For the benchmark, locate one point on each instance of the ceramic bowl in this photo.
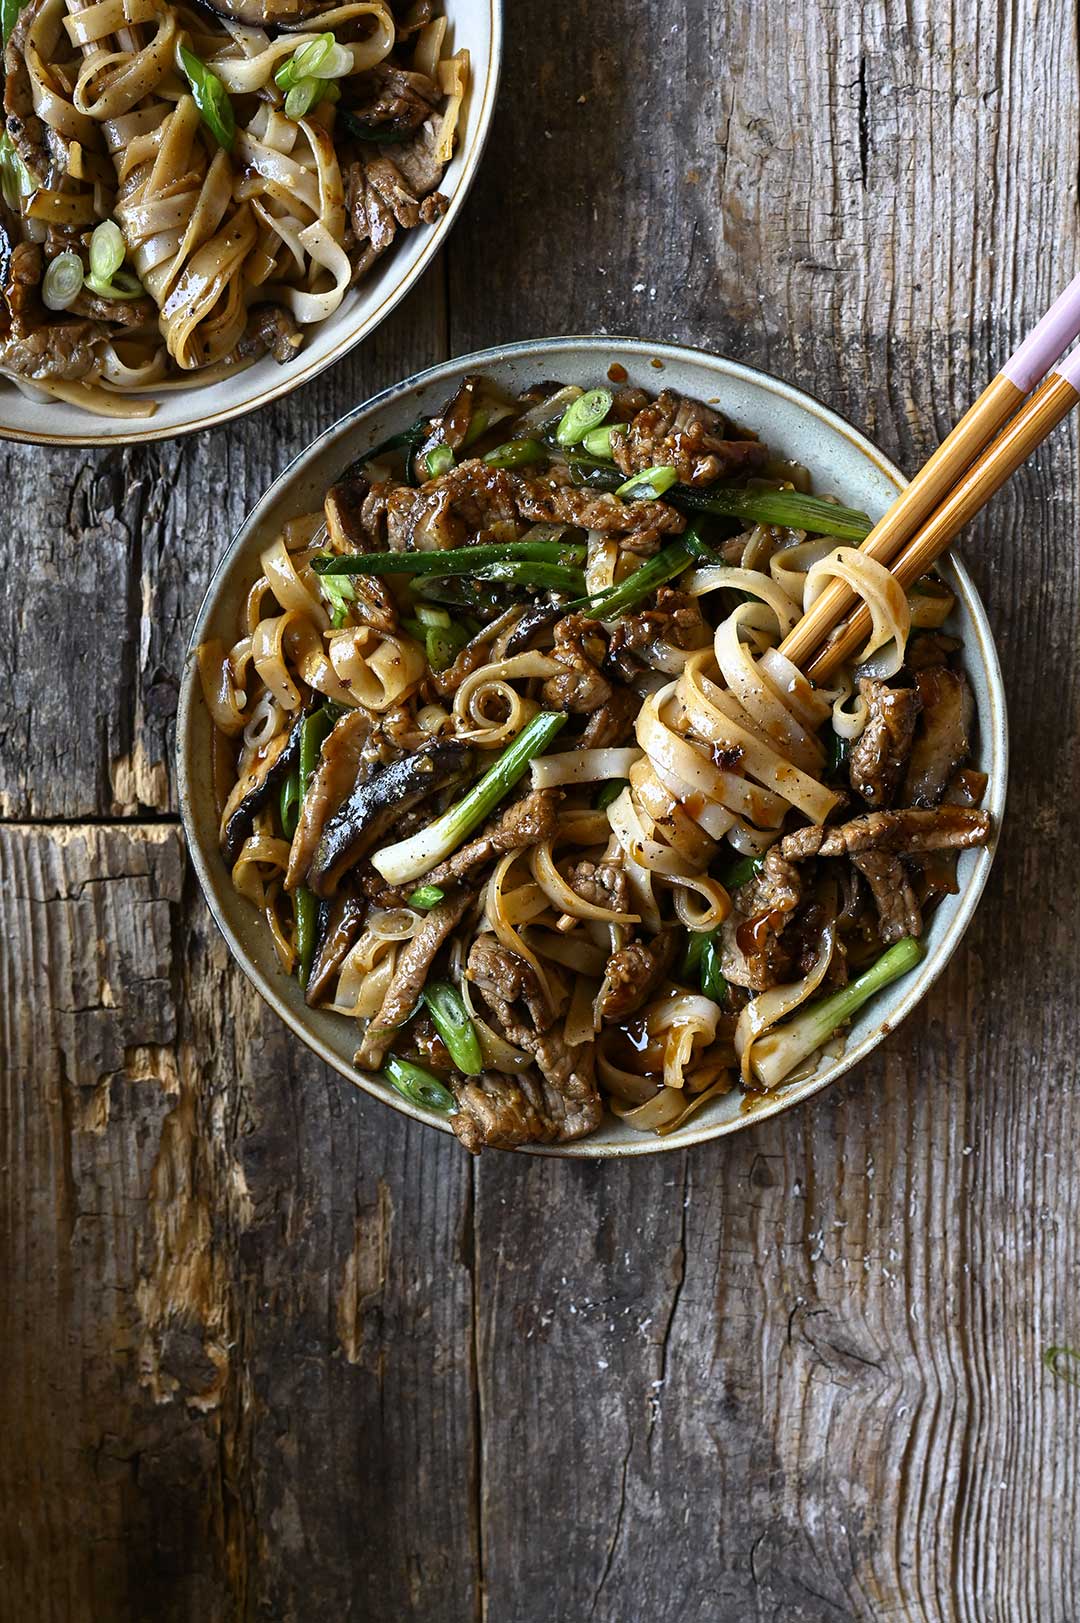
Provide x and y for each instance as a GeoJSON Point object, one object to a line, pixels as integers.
{"type": "Point", "coordinates": [841, 461]}
{"type": "Point", "coordinates": [474, 24]}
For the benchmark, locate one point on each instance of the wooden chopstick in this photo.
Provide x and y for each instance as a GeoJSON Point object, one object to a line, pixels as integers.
{"type": "Point", "coordinates": [1048, 340]}
{"type": "Point", "coordinates": [1052, 401]}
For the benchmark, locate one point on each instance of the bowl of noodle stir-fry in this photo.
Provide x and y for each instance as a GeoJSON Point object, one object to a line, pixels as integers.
{"type": "Point", "coordinates": [205, 202]}
{"type": "Point", "coordinates": [502, 792]}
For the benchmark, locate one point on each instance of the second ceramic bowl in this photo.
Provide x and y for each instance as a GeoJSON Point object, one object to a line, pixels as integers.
{"type": "Point", "coordinates": [842, 463]}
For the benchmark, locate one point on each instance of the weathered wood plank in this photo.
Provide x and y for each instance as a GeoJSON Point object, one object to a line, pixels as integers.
{"type": "Point", "coordinates": [236, 1320]}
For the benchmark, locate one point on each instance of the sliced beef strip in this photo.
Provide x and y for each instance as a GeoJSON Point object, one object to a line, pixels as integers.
{"type": "Point", "coordinates": [403, 993]}
{"type": "Point", "coordinates": [116, 312]}
{"type": "Point", "coordinates": [270, 327]}
{"type": "Point", "coordinates": [480, 496]}
{"type": "Point", "coordinates": [604, 884]}
{"type": "Point", "coordinates": [637, 639]}
{"type": "Point", "coordinates": [898, 911]}
{"type": "Point", "coordinates": [687, 435]}
{"type": "Point", "coordinates": [579, 687]}
{"type": "Point", "coordinates": [388, 99]}
{"type": "Point", "coordinates": [526, 823]}
{"type": "Point", "coordinates": [565, 1096]}
{"type": "Point", "coordinates": [633, 974]}
{"type": "Point", "coordinates": [548, 499]}
{"type": "Point", "coordinates": [23, 266]}
{"type": "Point", "coordinates": [880, 753]}
{"type": "Point", "coordinates": [421, 520]}
{"type": "Point", "coordinates": [419, 163]}
{"type": "Point", "coordinates": [943, 739]}
{"type": "Point", "coordinates": [930, 648]}
{"type": "Point", "coordinates": [905, 832]}
{"type": "Point", "coordinates": [42, 149]}
{"type": "Point", "coordinates": [502, 1112]}
{"type": "Point", "coordinates": [64, 351]}
{"type": "Point", "coordinates": [613, 723]}
{"type": "Point", "coordinates": [421, 1043]}
{"type": "Point", "coordinates": [763, 908]}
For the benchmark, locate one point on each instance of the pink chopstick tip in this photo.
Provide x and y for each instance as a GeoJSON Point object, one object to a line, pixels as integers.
{"type": "Point", "coordinates": [1047, 340]}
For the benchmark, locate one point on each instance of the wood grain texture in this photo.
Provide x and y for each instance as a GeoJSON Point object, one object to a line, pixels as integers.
{"type": "Point", "coordinates": [272, 1352]}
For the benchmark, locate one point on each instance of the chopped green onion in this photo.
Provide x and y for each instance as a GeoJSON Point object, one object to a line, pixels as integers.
{"type": "Point", "coordinates": [449, 560]}
{"type": "Point", "coordinates": [598, 442]}
{"type": "Point", "coordinates": [787, 509]}
{"type": "Point", "coordinates": [438, 461]}
{"type": "Point", "coordinates": [713, 983]}
{"type": "Point", "coordinates": [304, 62]}
{"type": "Point", "coordinates": [691, 958]}
{"type": "Point", "coordinates": [839, 754]}
{"type": "Point", "coordinates": [301, 98]}
{"type": "Point", "coordinates": [425, 897]}
{"type": "Point", "coordinates": [739, 871]}
{"type": "Point", "coordinates": [9, 16]}
{"type": "Point", "coordinates": [779, 1051]}
{"type": "Point", "coordinates": [478, 423]}
{"type": "Point", "coordinates": [649, 484]}
{"type": "Point", "coordinates": [669, 562]}
{"type": "Point", "coordinates": [429, 615]}
{"type": "Point", "coordinates": [411, 858]}
{"type": "Point", "coordinates": [610, 793]}
{"type": "Point", "coordinates": [451, 1020]}
{"type": "Point", "coordinates": [210, 97]}
{"type": "Point", "coordinates": [549, 577]}
{"type": "Point", "coordinates": [583, 415]}
{"type": "Point", "coordinates": [335, 64]}
{"type": "Point", "coordinates": [123, 286]}
{"type": "Point", "coordinates": [339, 592]}
{"type": "Point", "coordinates": [420, 1087]}
{"type": "Point", "coordinates": [16, 182]}
{"type": "Point", "coordinates": [516, 454]}
{"type": "Point", "coordinates": [444, 643]}
{"type": "Point", "coordinates": [107, 250]}
{"type": "Point", "coordinates": [63, 281]}
{"type": "Point", "coordinates": [290, 804]}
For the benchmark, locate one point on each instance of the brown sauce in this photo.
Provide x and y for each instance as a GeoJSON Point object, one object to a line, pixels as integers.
{"type": "Point", "coordinates": [617, 373]}
{"type": "Point", "coordinates": [753, 934]}
{"type": "Point", "coordinates": [726, 756]}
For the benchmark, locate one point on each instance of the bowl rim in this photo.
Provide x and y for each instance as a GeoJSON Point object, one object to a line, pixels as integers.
{"type": "Point", "coordinates": [916, 985]}
{"type": "Point", "coordinates": [482, 119]}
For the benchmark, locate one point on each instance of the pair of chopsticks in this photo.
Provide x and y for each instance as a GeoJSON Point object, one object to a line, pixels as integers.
{"type": "Point", "coordinates": [959, 479]}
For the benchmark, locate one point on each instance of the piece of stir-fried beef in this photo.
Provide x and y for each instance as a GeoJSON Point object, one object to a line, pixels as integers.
{"type": "Point", "coordinates": [411, 971]}
{"type": "Point", "coordinates": [565, 1103]}
{"type": "Point", "coordinates": [418, 160]}
{"type": "Point", "coordinates": [579, 686]}
{"type": "Point", "coordinates": [42, 149]}
{"type": "Point", "coordinates": [943, 738]}
{"type": "Point", "coordinates": [757, 958]}
{"type": "Point", "coordinates": [388, 100]}
{"type": "Point", "coordinates": [270, 327]}
{"type": "Point", "coordinates": [502, 1112]}
{"type": "Point", "coordinates": [640, 639]}
{"type": "Point", "coordinates": [613, 723]}
{"type": "Point", "coordinates": [422, 520]}
{"type": "Point", "coordinates": [526, 823]}
{"type": "Point", "coordinates": [927, 648]}
{"type": "Point", "coordinates": [898, 911]}
{"type": "Point", "coordinates": [686, 435]}
{"type": "Point", "coordinates": [548, 499]}
{"type": "Point", "coordinates": [480, 496]}
{"type": "Point", "coordinates": [633, 974]}
{"type": "Point", "coordinates": [880, 753]}
{"type": "Point", "coordinates": [604, 884]}
{"type": "Point", "coordinates": [23, 268]}
{"type": "Point", "coordinates": [379, 199]}
{"type": "Point", "coordinates": [421, 1043]}
{"type": "Point", "coordinates": [904, 832]}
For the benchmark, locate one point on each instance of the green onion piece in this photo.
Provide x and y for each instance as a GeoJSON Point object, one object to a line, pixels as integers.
{"type": "Point", "coordinates": [414, 628]}
{"type": "Point", "coordinates": [780, 1050]}
{"type": "Point", "coordinates": [63, 281]}
{"type": "Point", "coordinates": [786, 508]}
{"type": "Point", "coordinates": [839, 754]}
{"type": "Point", "coordinates": [713, 983]}
{"type": "Point", "coordinates": [598, 442]}
{"type": "Point", "coordinates": [425, 897]}
{"type": "Point", "coordinates": [303, 62]}
{"type": "Point", "coordinates": [429, 615]}
{"type": "Point", "coordinates": [123, 286]}
{"type": "Point", "coordinates": [339, 592]}
{"type": "Point", "coordinates": [444, 643]}
{"type": "Point", "coordinates": [420, 1087]}
{"type": "Point", "coordinates": [410, 859]}
{"type": "Point", "coordinates": [584, 414]}
{"type": "Point", "coordinates": [648, 485]}
{"type": "Point", "coordinates": [739, 871]}
{"type": "Point", "coordinates": [9, 16]}
{"type": "Point", "coordinates": [1064, 1362]}
{"type": "Point", "coordinates": [16, 182]}
{"type": "Point", "coordinates": [550, 577]}
{"type": "Point", "coordinates": [691, 958]}
{"type": "Point", "coordinates": [516, 454]}
{"type": "Point", "coordinates": [669, 562]}
{"type": "Point", "coordinates": [439, 461]}
{"type": "Point", "coordinates": [301, 98]}
{"type": "Point", "coordinates": [478, 423]}
{"type": "Point", "coordinates": [610, 792]}
{"type": "Point", "coordinates": [306, 914]}
{"type": "Point", "coordinates": [290, 804]}
{"type": "Point", "coordinates": [210, 96]}
{"type": "Point", "coordinates": [107, 250]}
{"type": "Point", "coordinates": [314, 733]}
{"type": "Point", "coordinates": [450, 560]}
{"type": "Point", "coordinates": [451, 1020]}
{"type": "Point", "coordinates": [335, 64]}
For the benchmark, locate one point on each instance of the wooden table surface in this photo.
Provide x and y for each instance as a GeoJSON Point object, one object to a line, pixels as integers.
{"type": "Point", "coordinates": [268, 1350]}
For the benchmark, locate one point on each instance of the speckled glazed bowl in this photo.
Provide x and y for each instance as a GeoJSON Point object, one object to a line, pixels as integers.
{"type": "Point", "coordinates": [842, 463]}
{"type": "Point", "coordinates": [474, 24]}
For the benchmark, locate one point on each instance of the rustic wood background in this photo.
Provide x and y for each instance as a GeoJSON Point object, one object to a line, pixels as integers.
{"type": "Point", "coordinates": [268, 1351]}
